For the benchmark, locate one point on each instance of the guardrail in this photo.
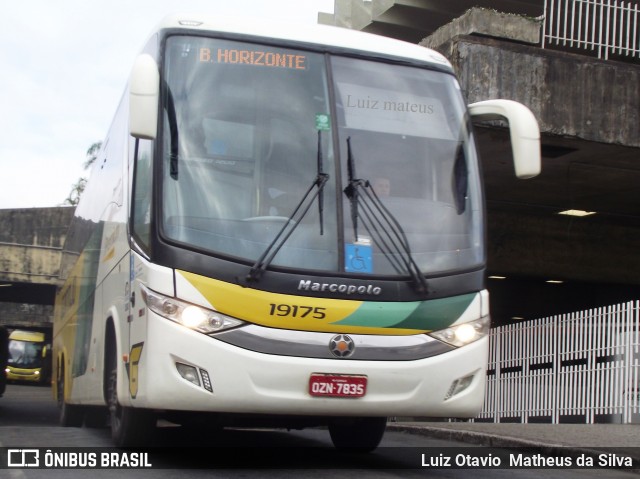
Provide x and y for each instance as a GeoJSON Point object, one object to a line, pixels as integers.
{"type": "Point", "coordinates": [578, 367]}
{"type": "Point", "coordinates": [604, 27]}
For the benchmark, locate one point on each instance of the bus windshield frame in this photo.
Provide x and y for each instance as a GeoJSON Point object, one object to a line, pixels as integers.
{"type": "Point", "coordinates": [246, 128]}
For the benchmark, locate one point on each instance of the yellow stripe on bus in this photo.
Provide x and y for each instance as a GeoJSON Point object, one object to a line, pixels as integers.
{"type": "Point", "coordinates": [284, 311]}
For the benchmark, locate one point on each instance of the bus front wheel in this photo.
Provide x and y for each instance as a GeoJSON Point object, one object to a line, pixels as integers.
{"type": "Point", "coordinates": [129, 426]}
{"type": "Point", "coordinates": [68, 414]}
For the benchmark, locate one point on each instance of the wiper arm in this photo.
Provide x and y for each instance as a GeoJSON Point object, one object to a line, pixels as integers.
{"type": "Point", "coordinates": [352, 188]}
{"type": "Point", "coordinates": [321, 190]}
{"type": "Point", "coordinates": [173, 130]}
{"type": "Point", "coordinates": [389, 236]}
{"type": "Point", "coordinates": [293, 221]}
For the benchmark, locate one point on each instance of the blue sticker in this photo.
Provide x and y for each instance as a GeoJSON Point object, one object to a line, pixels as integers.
{"type": "Point", "coordinates": [358, 258]}
{"type": "Point", "coordinates": [218, 147]}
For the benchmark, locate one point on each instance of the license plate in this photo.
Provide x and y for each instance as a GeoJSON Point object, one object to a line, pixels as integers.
{"type": "Point", "coordinates": [337, 385]}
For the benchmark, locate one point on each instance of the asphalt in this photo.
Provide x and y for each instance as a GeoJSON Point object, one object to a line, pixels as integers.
{"type": "Point", "coordinates": [548, 439]}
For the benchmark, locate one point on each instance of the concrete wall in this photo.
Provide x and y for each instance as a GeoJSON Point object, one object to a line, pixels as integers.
{"type": "Point", "coordinates": [17, 315]}
{"type": "Point", "coordinates": [31, 243]}
{"type": "Point", "coordinates": [574, 97]}
{"type": "Point", "coordinates": [600, 99]}
{"type": "Point", "coordinates": [590, 108]}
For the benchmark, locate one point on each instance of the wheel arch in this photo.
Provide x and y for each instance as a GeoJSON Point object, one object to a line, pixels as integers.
{"type": "Point", "coordinates": [61, 368]}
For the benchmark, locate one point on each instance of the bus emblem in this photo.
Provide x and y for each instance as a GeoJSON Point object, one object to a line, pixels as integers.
{"type": "Point", "coordinates": [342, 346]}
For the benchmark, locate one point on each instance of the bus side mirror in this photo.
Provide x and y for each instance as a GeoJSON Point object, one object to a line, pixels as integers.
{"type": "Point", "coordinates": [144, 92]}
{"type": "Point", "coordinates": [523, 128]}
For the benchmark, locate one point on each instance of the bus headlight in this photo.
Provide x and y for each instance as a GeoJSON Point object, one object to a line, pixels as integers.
{"type": "Point", "coordinates": [465, 333]}
{"type": "Point", "coordinates": [194, 317]}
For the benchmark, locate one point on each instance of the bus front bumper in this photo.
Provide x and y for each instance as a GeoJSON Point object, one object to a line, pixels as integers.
{"type": "Point", "coordinates": [180, 369]}
{"type": "Point", "coordinates": [26, 375]}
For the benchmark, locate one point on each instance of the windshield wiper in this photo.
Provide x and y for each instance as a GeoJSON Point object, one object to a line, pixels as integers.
{"type": "Point", "coordinates": [321, 174]}
{"type": "Point", "coordinates": [293, 220]}
{"type": "Point", "coordinates": [173, 130]}
{"type": "Point", "coordinates": [385, 230]}
{"type": "Point", "coordinates": [352, 188]}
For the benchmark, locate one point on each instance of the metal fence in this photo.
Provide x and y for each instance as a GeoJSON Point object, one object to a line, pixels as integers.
{"type": "Point", "coordinates": [604, 27]}
{"type": "Point", "coordinates": [579, 367]}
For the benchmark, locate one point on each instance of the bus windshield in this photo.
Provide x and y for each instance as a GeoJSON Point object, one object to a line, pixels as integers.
{"type": "Point", "coordinates": [25, 354]}
{"type": "Point", "coordinates": [247, 129]}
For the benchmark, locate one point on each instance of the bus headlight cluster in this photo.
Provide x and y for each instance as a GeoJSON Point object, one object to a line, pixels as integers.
{"type": "Point", "coordinates": [194, 317]}
{"type": "Point", "coordinates": [465, 333]}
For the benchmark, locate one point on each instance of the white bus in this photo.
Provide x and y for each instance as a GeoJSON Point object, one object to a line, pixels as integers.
{"type": "Point", "coordinates": [284, 226]}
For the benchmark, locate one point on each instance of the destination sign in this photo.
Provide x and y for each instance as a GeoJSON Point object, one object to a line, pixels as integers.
{"type": "Point", "coordinates": [274, 59]}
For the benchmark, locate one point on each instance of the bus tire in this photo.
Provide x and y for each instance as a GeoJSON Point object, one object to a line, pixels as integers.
{"type": "Point", "coordinates": [361, 434]}
{"type": "Point", "coordinates": [68, 414]}
{"type": "Point", "coordinates": [129, 426]}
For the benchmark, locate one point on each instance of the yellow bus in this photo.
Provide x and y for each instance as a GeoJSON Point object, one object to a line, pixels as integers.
{"type": "Point", "coordinates": [29, 357]}
{"type": "Point", "coordinates": [4, 356]}
{"type": "Point", "coordinates": [284, 226]}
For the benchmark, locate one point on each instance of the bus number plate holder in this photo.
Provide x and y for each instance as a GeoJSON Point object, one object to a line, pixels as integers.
{"type": "Point", "coordinates": [337, 385]}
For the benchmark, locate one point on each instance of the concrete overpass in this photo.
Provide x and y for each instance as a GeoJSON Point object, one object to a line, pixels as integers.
{"type": "Point", "coordinates": [31, 243]}
{"type": "Point", "coordinates": [589, 114]}
{"type": "Point", "coordinates": [413, 20]}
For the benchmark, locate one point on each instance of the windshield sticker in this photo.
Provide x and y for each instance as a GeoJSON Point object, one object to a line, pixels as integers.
{"type": "Point", "coordinates": [291, 61]}
{"type": "Point", "coordinates": [392, 111]}
{"type": "Point", "coordinates": [359, 257]}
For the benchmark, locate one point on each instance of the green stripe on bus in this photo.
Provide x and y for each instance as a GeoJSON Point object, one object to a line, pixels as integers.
{"type": "Point", "coordinates": [420, 315]}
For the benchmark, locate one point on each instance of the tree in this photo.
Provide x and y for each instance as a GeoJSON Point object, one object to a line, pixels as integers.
{"type": "Point", "coordinates": [79, 186]}
{"type": "Point", "coordinates": [92, 154]}
{"type": "Point", "coordinates": [76, 192]}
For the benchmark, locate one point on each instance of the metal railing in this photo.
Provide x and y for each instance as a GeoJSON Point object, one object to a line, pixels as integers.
{"type": "Point", "coordinates": [578, 367]}
{"type": "Point", "coordinates": [604, 27]}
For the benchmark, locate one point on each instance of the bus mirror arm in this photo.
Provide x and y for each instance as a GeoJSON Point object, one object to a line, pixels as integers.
{"type": "Point", "coordinates": [144, 93]}
{"type": "Point", "coordinates": [523, 129]}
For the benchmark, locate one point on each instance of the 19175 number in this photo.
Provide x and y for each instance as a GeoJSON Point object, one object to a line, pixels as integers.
{"type": "Point", "coordinates": [296, 311]}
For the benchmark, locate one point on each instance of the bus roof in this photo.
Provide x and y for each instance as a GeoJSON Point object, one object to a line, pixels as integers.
{"type": "Point", "coordinates": [323, 35]}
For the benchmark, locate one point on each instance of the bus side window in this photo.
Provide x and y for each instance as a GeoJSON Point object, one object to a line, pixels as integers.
{"type": "Point", "coordinates": [142, 193]}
